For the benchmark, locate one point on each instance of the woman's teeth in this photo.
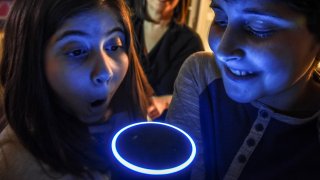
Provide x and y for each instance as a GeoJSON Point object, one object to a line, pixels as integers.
{"type": "Point", "coordinates": [240, 73]}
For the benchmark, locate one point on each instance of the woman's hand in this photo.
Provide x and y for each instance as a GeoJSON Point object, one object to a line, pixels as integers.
{"type": "Point", "coordinates": [159, 104]}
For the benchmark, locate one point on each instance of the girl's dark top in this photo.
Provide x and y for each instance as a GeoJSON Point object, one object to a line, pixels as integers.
{"type": "Point", "coordinates": [163, 62]}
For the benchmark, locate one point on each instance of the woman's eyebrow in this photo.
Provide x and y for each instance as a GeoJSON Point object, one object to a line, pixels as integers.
{"type": "Point", "coordinates": [215, 5]}
{"type": "Point", "coordinates": [271, 15]}
{"type": "Point", "coordinates": [263, 12]}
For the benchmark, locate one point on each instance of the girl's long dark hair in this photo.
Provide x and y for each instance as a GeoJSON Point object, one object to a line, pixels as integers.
{"type": "Point", "coordinates": [53, 137]}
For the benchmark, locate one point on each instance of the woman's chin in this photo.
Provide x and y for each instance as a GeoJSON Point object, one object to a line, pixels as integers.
{"type": "Point", "coordinates": [240, 98]}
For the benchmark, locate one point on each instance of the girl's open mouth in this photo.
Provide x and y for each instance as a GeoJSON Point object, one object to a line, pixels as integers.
{"type": "Point", "coordinates": [98, 102]}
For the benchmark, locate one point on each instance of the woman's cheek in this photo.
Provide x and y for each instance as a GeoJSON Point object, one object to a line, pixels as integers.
{"type": "Point", "coordinates": [213, 38]}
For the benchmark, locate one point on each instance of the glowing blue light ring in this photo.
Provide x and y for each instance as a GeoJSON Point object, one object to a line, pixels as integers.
{"type": "Point", "coordinates": [152, 171]}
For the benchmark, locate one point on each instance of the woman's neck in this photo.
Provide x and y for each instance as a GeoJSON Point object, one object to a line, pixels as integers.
{"type": "Point", "coordinates": [153, 32]}
{"type": "Point", "coordinates": [301, 100]}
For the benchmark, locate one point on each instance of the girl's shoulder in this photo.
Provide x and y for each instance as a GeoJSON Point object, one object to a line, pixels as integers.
{"type": "Point", "coordinates": [16, 162]}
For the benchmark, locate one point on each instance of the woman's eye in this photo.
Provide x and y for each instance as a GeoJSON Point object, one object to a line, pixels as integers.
{"type": "Point", "coordinates": [220, 17]}
{"type": "Point", "coordinates": [260, 28]}
{"type": "Point", "coordinates": [221, 23]}
{"type": "Point", "coordinates": [260, 33]}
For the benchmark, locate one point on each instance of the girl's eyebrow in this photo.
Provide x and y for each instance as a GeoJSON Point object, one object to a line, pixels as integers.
{"type": "Point", "coordinates": [115, 29]}
{"type": "Point", "coordinates": [71, 33]}
{"type": "Point", "coordinates": [82, 33]}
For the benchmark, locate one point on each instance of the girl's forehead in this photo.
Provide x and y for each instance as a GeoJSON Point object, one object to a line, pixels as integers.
{"type": "Point", "coordinates": [90, 24]}
{"type": "Point", "coordinates": [94, 18]}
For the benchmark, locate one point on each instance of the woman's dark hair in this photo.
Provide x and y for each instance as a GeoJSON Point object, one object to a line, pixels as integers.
{"type": "Point", "coordinates": [179, 15]}
{"type": "Point", "coordinates": [53, 137]}
{"type": "Point", "coordinates": [311, 9]}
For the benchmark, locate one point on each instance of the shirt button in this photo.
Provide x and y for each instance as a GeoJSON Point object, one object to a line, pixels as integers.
{"type": "Point", "coordinates": [251, 142]}
{"type": "Point", "coordinates": [264, 114]}
{"type": "Point", "coordinates": [259, 127]}
{"type": "Point", "coordinates": [242, 158]}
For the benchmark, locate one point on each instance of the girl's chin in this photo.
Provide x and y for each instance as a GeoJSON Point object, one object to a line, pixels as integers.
{"type": "Point", "coordinates": [93, 120]}
{"type": "Point", "coordinates": [97, 117]}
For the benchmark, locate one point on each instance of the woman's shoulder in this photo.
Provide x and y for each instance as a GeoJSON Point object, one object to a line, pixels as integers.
{"type": "Point", "coordinates": [199, 69]}
{"type": "Point", "coordinates": [183, 30]}
{"type": "Point", "coordinates": [203, 65]}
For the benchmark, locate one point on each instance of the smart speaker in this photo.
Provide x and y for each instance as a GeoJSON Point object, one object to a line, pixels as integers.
{"type": "Point", "coordinates": [152, 150]}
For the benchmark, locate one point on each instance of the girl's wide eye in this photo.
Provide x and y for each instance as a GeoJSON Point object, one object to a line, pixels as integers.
{"type": "Point", "coordinates": [77, 53]}
{"type": "Point", "coordinates": [113, 47]}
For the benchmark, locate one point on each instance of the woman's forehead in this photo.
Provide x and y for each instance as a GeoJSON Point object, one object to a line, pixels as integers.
{"type": "Point", "coordinates": [249, 2]}
{"type": "Point", "coordinates": [276, 8]}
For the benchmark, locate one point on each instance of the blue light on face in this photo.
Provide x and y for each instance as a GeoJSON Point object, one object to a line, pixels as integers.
{"type": "Point", "coordinates": [151, 171]}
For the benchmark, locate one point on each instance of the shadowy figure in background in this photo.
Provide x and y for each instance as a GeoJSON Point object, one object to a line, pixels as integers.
{"type": "Point", "coordinates": [71, 77]}
{"type": "Point", "coordinates": [164, 42]}
{"type": "Point", "coordinates": [252, 105]}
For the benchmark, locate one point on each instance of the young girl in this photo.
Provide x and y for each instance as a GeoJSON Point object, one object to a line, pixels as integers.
{"type": "Point", "coordinates": [253, 106]}
{"type": "Point", "coordinates": [71, 78]}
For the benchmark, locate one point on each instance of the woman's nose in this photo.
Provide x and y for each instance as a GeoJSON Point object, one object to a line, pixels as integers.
{"type": "Point", "coordinates": [230, 48]}
{"type": "Point", "coordinates": [102, 72]}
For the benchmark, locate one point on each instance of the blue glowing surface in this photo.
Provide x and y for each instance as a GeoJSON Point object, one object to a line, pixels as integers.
{"type": "Point", "coordinates": [151, 171]}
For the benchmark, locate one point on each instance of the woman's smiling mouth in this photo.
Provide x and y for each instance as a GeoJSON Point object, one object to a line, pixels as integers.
{"type": "Point", "coordinates": [237, 75]}
{"type": "Point", "coordinates": [240, 72]}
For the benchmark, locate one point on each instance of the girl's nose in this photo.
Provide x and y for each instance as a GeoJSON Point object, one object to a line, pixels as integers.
{"type": "Point", "coordinates": [102, 73]}
{"type": "Point", "coordinates": [102, 78]}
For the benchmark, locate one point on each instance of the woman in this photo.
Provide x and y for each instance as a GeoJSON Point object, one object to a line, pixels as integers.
{"type": "Point", "coordinates": [165, 41]}
{"type": "Point", "coordinates": [71, 78]}
{"type": "Point", "coordinates": [253, 104]}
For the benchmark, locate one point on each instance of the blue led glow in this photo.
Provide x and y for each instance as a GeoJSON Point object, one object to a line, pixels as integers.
{"type": "Point", "coordinates": [152, 171]}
